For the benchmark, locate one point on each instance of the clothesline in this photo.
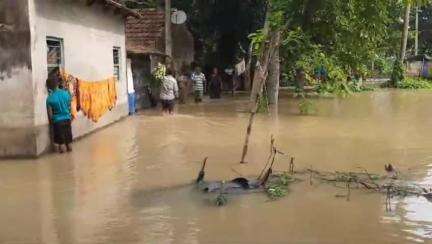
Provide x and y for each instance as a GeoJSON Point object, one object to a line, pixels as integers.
{"type": "Point", "coordinates": [93, 98]}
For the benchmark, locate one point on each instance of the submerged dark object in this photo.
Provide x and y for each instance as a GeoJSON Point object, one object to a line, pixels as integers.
{"type": "Point", "coordinates": [237, 185]}
{"type": "Point", "coordinates": [428, 196]}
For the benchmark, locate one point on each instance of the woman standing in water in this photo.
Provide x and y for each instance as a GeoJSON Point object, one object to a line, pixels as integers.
{"type": "Point", "coordinates": [215, 86]}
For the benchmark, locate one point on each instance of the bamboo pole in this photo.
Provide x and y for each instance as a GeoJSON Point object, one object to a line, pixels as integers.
{"type": "Point", "coordinates": [260, 76]}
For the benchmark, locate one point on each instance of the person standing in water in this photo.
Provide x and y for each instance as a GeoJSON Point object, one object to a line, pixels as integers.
{"type": "Point", "coordinates": [168, 92]}
{"type": "Point", "coordinates": [198, 79]}
{"type": "Point", "coordinates": [183, 83]}
{"type": "Point", "coordinates": [215, 86]}
{"type": "Point", "coordinates": [58, 105]}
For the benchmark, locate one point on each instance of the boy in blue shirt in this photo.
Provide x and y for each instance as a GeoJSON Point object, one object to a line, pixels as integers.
{"type": "Point", "coordinates": [58, 105]}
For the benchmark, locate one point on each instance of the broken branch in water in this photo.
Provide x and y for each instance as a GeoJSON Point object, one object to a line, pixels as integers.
{"type": "Point", "coordinates": [202, 171]}
{"type": "Point", "coordinates": [272, 141]}
{"type": "Point", "coordinates": [291, 169]}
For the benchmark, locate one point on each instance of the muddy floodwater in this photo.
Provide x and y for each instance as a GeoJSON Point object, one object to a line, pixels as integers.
{"type": "Point", "coordinates": [130, 182]}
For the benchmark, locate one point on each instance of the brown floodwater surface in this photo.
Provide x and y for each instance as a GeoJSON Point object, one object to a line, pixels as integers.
{"type": "Point", "coordinates": [131, 182]}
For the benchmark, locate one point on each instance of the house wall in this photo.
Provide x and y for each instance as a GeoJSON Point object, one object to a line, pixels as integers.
{"type": "Point", "coordinates": [16, 99]}
{"type": "Point", "coordinates": [89, 34]}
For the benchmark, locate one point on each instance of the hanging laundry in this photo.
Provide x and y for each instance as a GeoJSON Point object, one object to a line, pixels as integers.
{"type": "Point", "coordinates": [93, 98]}
{"type": "Point", "coordinates": [97, 98]}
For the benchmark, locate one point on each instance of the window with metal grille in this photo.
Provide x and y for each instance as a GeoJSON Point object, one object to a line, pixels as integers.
{"type": "Point", "coordinates": [116, 58]}
{"type": "Point", "coordinates": [54, 54]}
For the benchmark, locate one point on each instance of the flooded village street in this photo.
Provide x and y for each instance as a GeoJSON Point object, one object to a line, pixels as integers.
{"type": "Point", "coordinates": [132, 182]}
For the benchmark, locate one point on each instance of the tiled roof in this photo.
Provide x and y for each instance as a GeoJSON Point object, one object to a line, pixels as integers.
{"type": "Point", "coordinates": [146, 34]}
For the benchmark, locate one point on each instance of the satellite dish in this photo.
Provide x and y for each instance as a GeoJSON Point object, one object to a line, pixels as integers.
{"type": "Point", "coordinates": [178, 17]}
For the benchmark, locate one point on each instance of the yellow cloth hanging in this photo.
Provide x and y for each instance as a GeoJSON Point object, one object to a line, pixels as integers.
{"type": "Point", "coordinates": [94, 98]}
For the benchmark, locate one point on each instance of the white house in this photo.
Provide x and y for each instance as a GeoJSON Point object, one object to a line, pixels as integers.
{"type": "Point", "coordinates": [85, 37]}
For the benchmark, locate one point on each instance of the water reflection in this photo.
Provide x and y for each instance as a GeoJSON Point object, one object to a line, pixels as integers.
{"type": "Point", "coordinates": [416, 212]}
{"type": "Point", "coordinates": [108, 189]}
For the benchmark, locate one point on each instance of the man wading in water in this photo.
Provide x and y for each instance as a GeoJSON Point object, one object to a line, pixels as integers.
{"type": "Point", "coordinates": [59, 114]}
{"type": "Point", "coordinates": [198, 79]}
{"type": "Point", "coordinates": [168, 93]}
{"type": "Point", "coordinates": [215, 86]}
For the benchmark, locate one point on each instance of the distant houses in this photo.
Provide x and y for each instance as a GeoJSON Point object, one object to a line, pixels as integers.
{"type": "Point", "coordinates": [146, 47]}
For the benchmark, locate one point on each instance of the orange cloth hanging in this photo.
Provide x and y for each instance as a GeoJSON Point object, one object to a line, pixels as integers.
{"type": "Point", "coordinates": [93, 98]}
{"type": "Point", "coordinates": [97, 98]}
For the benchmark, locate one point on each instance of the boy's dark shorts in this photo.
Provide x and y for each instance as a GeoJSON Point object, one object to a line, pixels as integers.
{"type": "Point", "coordinates": [168, 105]}
{"type": "Point", "coordinates": [62, 132]}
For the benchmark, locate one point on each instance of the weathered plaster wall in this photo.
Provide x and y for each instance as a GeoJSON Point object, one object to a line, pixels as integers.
{"type": "Point", "coordinates": [16, 96]}
{"type": "Point", "coordinates": [89, 34]}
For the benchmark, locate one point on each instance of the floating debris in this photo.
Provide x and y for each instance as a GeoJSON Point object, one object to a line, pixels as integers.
{"type": "Point", "coordinates": [275, 185]}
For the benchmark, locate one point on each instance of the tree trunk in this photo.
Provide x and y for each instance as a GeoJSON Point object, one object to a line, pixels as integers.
{"type": "Point", "coordinates": [417, 31]}
{"type": "Point", "coordinates": [274, 76]}
{"type": "Point", "coordinates": [260, 77]}
{"type": "Point", "coordinates": [248, 78]}
{"type": "Point", "coordinates": [168, 35]}
{"type": "Point", "coordinates": [405, 32]}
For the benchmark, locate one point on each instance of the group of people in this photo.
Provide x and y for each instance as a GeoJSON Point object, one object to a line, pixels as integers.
{"type": "Point", "coordinates": [59, 99]}
{"type": "Point", "coordinates": [172, 88]}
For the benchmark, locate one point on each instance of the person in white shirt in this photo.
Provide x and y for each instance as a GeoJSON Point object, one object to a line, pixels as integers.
{"type": "Point", "coordinates": [168, 92]}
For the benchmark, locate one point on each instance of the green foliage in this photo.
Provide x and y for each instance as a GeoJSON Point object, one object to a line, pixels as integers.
{"type": "Point", "coordinates": [279, 188]}
{"type": "Point", "coordinates": [160, 72]}
{"type": "Point", "coordinates": [306, 106]}
{"type": "Point", "coordinates": [357, 86]}
{"type": "Point", "coordinates": [339, 88]}
{"type": "Point", "coordinates": [342, 36]}
{"type": "Point", "coordinates": [276, 191]}
{"type": "Point", "coordinates": [398, 74]}
{"type": "Point", "coordinates": [383, 66]}
{"type": "Point", "coordinates": [221, 200]}
{"type": "Point", "coordinates": [257, 41]}
{"type": "Point", "coordinates": [415, 83]}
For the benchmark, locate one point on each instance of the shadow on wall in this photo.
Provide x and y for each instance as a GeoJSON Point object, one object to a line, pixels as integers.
{"type": "Point", "coordinates": [14, 37]}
